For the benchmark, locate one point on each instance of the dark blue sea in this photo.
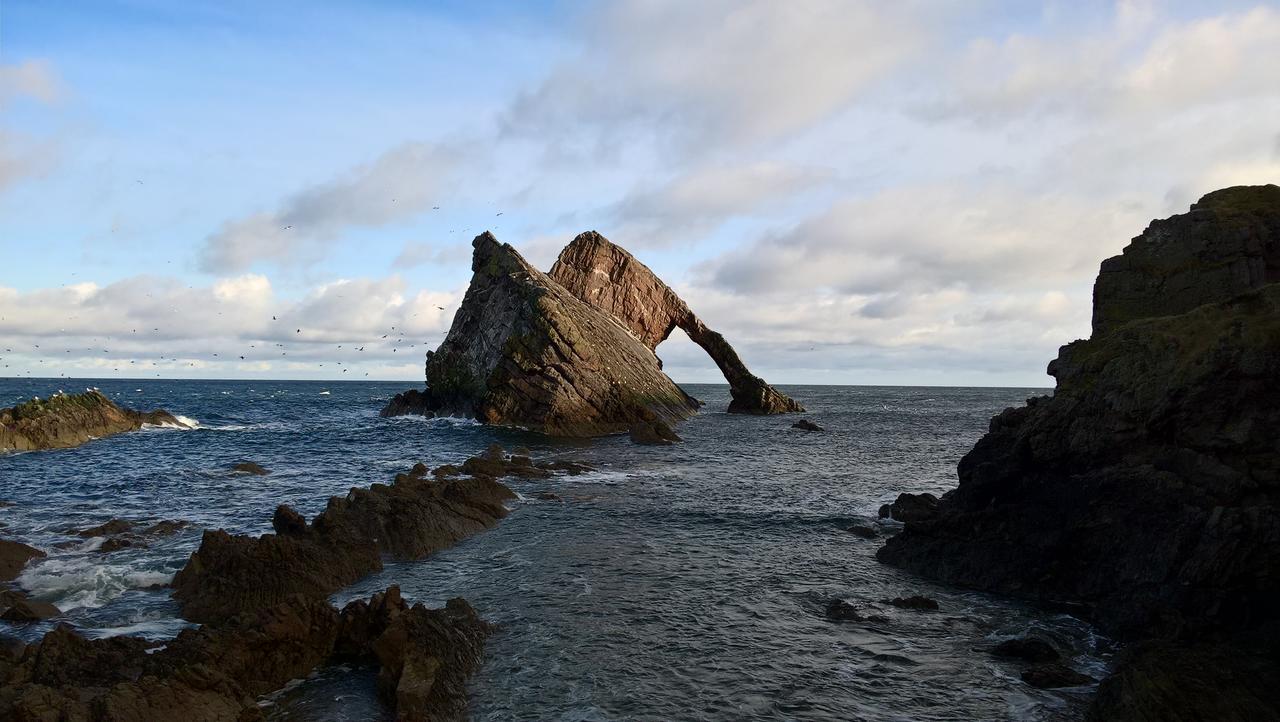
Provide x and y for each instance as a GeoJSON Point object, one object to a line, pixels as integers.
{"type": "Point", "coordinates": [682, 582]}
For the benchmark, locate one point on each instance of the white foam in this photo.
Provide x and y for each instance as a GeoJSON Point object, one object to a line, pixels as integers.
{"type": "Point", "coordinates": [72, 583]}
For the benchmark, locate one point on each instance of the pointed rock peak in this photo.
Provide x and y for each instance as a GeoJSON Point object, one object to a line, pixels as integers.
{"type": "Point", "coordinates": [491, 256]}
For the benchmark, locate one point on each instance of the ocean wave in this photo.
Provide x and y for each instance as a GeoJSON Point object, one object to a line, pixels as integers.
{"type": "Point", "coordinates": [75, 583]}
{"type": "Point", "coordinates": [185, 423]}
{"type": "Point", "coordinates": [451, 421]}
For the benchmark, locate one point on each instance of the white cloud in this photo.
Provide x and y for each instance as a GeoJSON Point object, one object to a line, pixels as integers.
{"type": "Point", "coordinates": [31, 79]}
{"type": "Point", "coordinates": [399, 184]}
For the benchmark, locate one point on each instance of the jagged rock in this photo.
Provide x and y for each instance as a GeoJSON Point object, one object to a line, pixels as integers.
{"type": "Point", "coordinates": [14, 556]}
{"type": "Point", "coordinates": [1145, 492]}
{"type": "Point", "coordinates": [409, 519]}
{"type": "Point", "coordinates": [249, 467]}
{"type": "Point", "coordinates": [1030, 649]}
{"type": "Point", "coordinates": [523, 351]}
{"type": "Point", "coordinates": [66, 420]}
{"type": "Point", "coordinates": [411, 402]}
{"type": "Point", "coordinates": [911, 507]}
{"type": "Point", "coordinates": [17, 607]}
{"type": "Point", "coordinates": [806, 425]}
{"type": "Point", "coordinates": [110, 528]}
{"type": "Point", "coordinates": [1055, 675]}
{"type": "Point", "coordinates": [842, 611]}
{"type": "Point", "coordinates": [917, 602]}
{"type": "Point", "coordinates": [1229, 243]}
{"type": "Point", "coordinates": [218, 672]}
{"type": "Point", "coordinates": [611, 279]}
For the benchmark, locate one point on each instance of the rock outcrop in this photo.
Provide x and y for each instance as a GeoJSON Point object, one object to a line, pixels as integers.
{"type": "Point", "coordinates": [217, 672]}
{"type": "Point", "coordinates": [611, 279]}
{"type": "Point", "coordinates": [14, 556]}
{"type": "Point", "coordinates": [523, 351]}
{"type": "Point", "coordinates": [1145, 493]}
{"type": "Point", "coordinates": [409, 519]}
{"type": "Point", "coordinates": [66, 420]}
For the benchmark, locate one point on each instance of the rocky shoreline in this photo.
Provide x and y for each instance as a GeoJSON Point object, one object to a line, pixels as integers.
{"type": "Point", "coordinates": [1144, 494]}
{"type": "Point", "coordinates": [67, 420]}
{"type": "Point", "coordinates": [264, 615]}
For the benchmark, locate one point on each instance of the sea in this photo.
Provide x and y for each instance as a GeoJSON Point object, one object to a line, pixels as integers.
{"type": "Point", "coordinates": [683, 582]}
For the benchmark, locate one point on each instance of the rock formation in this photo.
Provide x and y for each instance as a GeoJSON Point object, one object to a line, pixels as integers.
{"type": "Point", "coordinates": [525, 352]}
{"type": "Point", "coordinates": [571, 353]}
{"type": "Point", "coordinates": [1145, 493]}
{"type": "Point", "coordinates": [611, 279]}
{"type": "Point", "coordinates": [217, 672]}
{"type": "Point", "coordinates": [409, 519]}
{"type": "Point", "coordinates": [14, 556]}
{"type": "Point", "coordinates": [66, 420]}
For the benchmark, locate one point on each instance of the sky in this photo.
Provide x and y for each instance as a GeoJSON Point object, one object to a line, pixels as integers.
{"type": "Point", "coordinates": [906, 193]}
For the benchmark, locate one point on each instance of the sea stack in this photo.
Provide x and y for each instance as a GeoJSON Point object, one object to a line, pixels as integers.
{"type": "Point", "coordinates": [1145, 492]}
{"type": "Point", "coordinates": [571, 353]}
{"type": "Point", "coordinates": [606, 276]}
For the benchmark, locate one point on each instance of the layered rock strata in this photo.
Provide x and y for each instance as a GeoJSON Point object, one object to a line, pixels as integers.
{"type": "Point", "coordinates": [66, 420]}
{"type": "Point", "coordinates": [608, 277]}
{"type": "Point", "coordinates": [1145, 493]}
{"type": "Point", "coordinates": [217, 672]}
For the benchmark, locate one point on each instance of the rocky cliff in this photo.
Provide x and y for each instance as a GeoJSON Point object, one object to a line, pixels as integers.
{"type": "Point", "coordinates": [66, 420]}
{"type": "Point", "coordinates": [611, 279]}
{"type": "Point", "coordinates": [523, 351]}
{"type": "Point", "coordinates": [1145, 492]}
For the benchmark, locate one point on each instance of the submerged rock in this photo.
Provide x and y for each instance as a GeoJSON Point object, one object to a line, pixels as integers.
{"type": "Point", "coordinates": [917, 602]}
{"type": "Point", "coordinates": [866, 531]}
{"type": "Point", "coordinates": [249, 467]}
{"type": "Point", "coordinates": [14, 556]}
{"type": "Point", "coordinates": [1146, 491]}
{"type": "Point", "coordinates": [66, 420]}
{"type": "Point", "coordinates": [652, 433]}
{"type": "Point", "coordinates": [609, 278]}
{"type": "Point", "coordinates": [842, 611]}
{"type": "Point", "coordinates": [1030, 649]}
{"type": "Point", "coordinates": [217, 672]}
{"type": "Point", "coordinates": [523, 351]}
{"type": "Point", "coordinates": [1055, 675]}
{"type": "Point", "coordinates": [806, 425]}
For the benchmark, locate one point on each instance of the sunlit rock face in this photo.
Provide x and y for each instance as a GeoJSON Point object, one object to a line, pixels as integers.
{"type": "Point", "coordinates": [525, 352]}
{"type": "Point", "coordinates": [611, 279]}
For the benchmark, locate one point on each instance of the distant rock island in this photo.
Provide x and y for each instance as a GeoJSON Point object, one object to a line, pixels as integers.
{"type": "Point", "coordinates": [1145, 493]}
{"type": "Point", "coordinates": [571, 353]}
{"type": "Point", "coordinates": [65, 420]}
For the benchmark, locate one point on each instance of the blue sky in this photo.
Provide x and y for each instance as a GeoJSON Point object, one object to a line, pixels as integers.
{"type": "Point", "coordinates": [911, 193]}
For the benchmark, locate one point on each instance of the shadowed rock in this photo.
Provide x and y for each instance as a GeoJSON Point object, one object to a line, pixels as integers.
{"type": "Point", "coordinates": [911, 507]}
{"type": "Point", "coordinates": [1145, 492]}
{"type": "Point", "coordinates": [217, 672]}
{"type": "Point", "coordinates": [523, 351]}
{"type": "Point", "coordinates": [609, 278]}
{"type": "Point", "coordinates": [250, 467]}
{"type": "Point", "coordinates": [14, 556]}
{"type": "Point", "coordinates": [66, 420]}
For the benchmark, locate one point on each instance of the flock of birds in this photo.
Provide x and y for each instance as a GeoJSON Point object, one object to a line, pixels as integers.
{"type": "Point", "coordinates": [252, 353]}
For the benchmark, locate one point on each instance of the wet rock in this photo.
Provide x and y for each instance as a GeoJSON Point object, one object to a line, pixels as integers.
{"type": "Point", "coordinates": [911, 508]}
{"type": "Point", "coordinates": [409, 403]}
{"type": "Point", "coordinates": [17, 607]}
{"type": "Point", "coordinates": [806, 425]}
{"type": "Point", "coordinates": [1054, 675]}
{"type": "Point", "coordinates": [917, 602]}
{"type": "Point", "coordinates": [115, 544]}
{"type": "Point", "coordinates": [1030, 649]}
{"type": "Point", "coordinates": [1182, 682]}
{"type": "Point", "coordinates": [6, 504]}
{"type": "Point", "coordinates": [523, 351]}
{"type": "Point", "coordinates": [408, 519]}
{"type": "Point", "coordinates": [14, 556]}
{"type": "Point", "coordinates": [653, 433]}
{"type": "Point", "coordinates": [842, 611]}
{"type": "Point", "coordinates": [609, 278]}
{"type": "Point", "coordinates": [218, 672]}
{"type": "Point", "coordinates": [66, 420]}
{"type": "Point", "coordinates": [165, 528]}
{"type": "Point", "coordinates": [866, 531]}
{"type": "Point", "coordinates": [548, 496]}
{"type": "Point", "coordinates": [110, 528]}
{"type": "Point", "coordinates": [249, 467]}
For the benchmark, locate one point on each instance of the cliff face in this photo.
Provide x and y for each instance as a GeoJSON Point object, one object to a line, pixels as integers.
{"type": "Point", "coordinates": [523, 351]}
{"type": "Point", "coordinates": [1146, 491]}
{"type": "Point", "coordinates": [63, 421]}
{"type": "Point", "coordinates": [611, 279]}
